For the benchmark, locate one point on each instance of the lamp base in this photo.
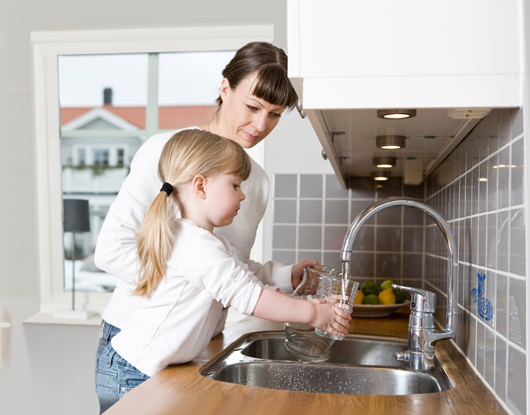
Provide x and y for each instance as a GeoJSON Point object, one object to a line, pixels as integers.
{"type": "Point", "coordinates": [73, 314]}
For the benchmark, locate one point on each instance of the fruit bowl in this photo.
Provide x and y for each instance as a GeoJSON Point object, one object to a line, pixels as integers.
{"type": "Point", "coordinates": [369, 310]}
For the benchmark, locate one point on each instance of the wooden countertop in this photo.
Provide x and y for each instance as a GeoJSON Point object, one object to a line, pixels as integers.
{"type": "Point", "coordinates": [180, 389]}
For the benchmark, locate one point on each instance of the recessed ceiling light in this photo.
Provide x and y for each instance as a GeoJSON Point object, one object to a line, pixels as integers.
{"type": "Point", "coordinates": [390, 142]}
{"type": "Point", "coordinates": [380, 176]}
{"type": "Point", "coordinates": [396, 114]}
{"type": "Point", "coordinates": [384, 162]}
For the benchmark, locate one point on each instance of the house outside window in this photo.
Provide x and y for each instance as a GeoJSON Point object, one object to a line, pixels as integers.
{"type": "Point", "coordinates": [121, 127]}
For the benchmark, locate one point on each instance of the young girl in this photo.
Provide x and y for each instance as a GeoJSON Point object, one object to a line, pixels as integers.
{"type": "Point", "coordinates": [188, 273]}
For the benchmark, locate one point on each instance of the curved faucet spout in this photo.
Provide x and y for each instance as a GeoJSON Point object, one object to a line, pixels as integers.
{"type": "Point", "coordinates": [452, 255]}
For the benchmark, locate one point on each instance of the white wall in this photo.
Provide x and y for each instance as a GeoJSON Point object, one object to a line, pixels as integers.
{"type": "Point", "coordinates": [50, 369]}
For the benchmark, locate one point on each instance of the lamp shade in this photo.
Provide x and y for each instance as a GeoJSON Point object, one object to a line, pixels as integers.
{"type": "Point", "coordinates": [76, 215]}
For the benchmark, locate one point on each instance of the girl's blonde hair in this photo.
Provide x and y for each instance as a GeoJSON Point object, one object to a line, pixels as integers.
{"type": "Point", "coordinates": [187, 154]}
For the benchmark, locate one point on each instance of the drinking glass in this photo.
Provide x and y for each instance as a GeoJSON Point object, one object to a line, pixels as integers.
{"type": "Point", "coordinates": [300, 339]}
{"type": "Point", "coordinates": [336, 291]}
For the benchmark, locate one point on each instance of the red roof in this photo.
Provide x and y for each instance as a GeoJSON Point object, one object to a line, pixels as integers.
{"type": "Point", "coordinates": [171, 117]}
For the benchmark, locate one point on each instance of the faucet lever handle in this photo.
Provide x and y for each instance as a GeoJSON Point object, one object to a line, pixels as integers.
{"type": "Point", "coordinates": [422, 300]}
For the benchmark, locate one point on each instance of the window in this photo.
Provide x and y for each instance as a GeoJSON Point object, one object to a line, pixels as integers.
{"type": "Point", "coordinates": [101, 157]}
{"type": "Point", "coordinates": [111, 107]}
{"type": "Point", "coordinates": [120, 157]}
{"type": "Point", "coordinates": [50, 50]}
{"type": "Point", "coordinates": [81, 157]}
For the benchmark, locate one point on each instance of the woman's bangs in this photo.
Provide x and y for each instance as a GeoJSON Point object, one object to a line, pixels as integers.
{"type": "Point", "coordinates": [273, 86]}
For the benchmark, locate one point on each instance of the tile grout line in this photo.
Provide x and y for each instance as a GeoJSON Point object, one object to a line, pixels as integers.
{"type": "Point", "coordinates": [323, 225]}
{"type": "Point", "coordinates": [508, 323]}
{"type": "Point", "coordinates": [296, 225]}
{"type": "Point", "coordinates": [402, 217]}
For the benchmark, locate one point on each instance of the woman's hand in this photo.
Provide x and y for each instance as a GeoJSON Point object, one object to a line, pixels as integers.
{"type": "Point", "coordinates": [330, 318]}
{"type": "Point", "coordinates": [297, 271]}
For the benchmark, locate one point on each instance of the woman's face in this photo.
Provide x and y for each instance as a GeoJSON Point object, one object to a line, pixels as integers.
{"type": "Point", "coordinates": [245, 118]}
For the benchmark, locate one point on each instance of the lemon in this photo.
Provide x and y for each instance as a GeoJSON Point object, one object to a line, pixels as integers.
{"type": "Point", "coordinates": [369, 287]}
{"type": "Point", "coordinates": [400, 297]}
{"type": "Point", "coordinates": [386, 285]}
{"type": "Point", "coordinates": [371, 299]}
{"type": "Point", "coordinates": [387, 296]}
{"type": "Point", "coordinates": [359, 298]}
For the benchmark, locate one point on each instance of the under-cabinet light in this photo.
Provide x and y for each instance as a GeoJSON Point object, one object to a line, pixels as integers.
{"type": "Point", "coordinates": [384, 162]}
{"type": "Point", "coordinates": [380, 176]}
{"type": "Point", "coordinates": [503, 166]}
{"type": "Point", "coordinates": [396, 114]}
{"type": "Point", "coordinates": [390, 142]}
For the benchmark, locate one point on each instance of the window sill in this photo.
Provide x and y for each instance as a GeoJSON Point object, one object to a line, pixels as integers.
{"type": "Point", "coordinates": [42, 318]}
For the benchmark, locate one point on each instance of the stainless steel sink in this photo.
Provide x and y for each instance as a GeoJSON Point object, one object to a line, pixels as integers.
{"type": "Point", "coordinates": [358, 365]}
{"type": "Point", "coordinates": [353, 350]}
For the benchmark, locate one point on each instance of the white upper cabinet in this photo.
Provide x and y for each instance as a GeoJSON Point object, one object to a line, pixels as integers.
{"type": "Point", "coordinates": [408, 53]}
{"type": "Point", "coordinates": [349, 58]}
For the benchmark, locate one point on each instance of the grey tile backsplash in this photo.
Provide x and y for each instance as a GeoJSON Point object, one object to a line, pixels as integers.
{"type": "Point", "coordinates": [479, 189]}
{"type": "Point", "coordinates": [323, 213]}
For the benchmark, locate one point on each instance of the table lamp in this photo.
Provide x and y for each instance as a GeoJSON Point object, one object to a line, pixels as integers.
{"type": "Point", "coordinates": [76, 219]}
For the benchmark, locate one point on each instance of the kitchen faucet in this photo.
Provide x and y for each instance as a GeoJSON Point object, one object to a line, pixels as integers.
{"type": "Point", "coordinates": [422, 334]}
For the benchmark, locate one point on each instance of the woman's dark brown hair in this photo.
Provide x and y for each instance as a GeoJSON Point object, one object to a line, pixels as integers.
{"type": "Point", "coordinates": [270, 64]}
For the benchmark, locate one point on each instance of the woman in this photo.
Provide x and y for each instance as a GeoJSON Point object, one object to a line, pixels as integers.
{"type": "Point", "coordinates": [255, 92]}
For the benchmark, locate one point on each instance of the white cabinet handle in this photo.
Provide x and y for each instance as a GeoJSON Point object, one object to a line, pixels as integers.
{"type": "Point", "coordinates": [4, 325]}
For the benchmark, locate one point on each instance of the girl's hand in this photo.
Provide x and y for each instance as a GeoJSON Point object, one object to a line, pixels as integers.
{"type": "Point", "coordinates": [332, 319]}
{"type": "Point", "coordinates": [297, 271]}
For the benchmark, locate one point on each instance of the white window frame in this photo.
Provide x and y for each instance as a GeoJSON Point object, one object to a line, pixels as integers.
{"type": "Point", "coordinates": [47, 46]}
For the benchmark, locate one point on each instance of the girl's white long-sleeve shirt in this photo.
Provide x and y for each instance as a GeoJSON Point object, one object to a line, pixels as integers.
{"type": "Point", "coordinates": [116, 250]}
{"type": "Point", "coordinates": [176, 323]}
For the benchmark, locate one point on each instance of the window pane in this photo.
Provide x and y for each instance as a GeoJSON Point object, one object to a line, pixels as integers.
{"type": "Point", "coordinates": [103, 100]}
{"type": "Point", "coordinates": [189, 84]}
{"type": "Point", "coordinates": [82, 79]}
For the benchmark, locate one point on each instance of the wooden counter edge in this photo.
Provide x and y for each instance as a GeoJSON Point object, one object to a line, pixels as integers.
{"type": "Point", "coordinates": [180, 389]}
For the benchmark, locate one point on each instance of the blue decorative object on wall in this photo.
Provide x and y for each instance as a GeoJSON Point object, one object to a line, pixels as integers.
{"type": "Point", "coordinates": [484, 307]}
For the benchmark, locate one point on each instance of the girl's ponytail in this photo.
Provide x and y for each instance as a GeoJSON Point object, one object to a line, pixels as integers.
{"type": "Point", "coordinates": [187, 154]}
{"type": "Point", "coordinates": [155, 240]}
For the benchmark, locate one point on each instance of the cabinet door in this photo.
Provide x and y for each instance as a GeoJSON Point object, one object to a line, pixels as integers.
{"type": "Point", "coordinates": [411, 53]}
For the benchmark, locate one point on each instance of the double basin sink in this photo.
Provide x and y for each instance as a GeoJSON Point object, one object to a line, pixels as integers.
{"type": "Point", "coordinates": [358, 365]}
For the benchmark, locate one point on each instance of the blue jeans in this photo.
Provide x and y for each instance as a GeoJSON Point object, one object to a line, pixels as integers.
{"type": "Point", "coordinates": [106, 333]}
{"type": "Point", "coordinates": [114, 375]}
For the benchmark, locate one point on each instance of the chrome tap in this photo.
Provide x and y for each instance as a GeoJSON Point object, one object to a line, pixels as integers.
{"type": "Point", "coordinates": [422, 334]}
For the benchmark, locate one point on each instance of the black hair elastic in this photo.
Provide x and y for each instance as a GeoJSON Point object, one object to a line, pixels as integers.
{"type": "Point", "coordinates": [166, 187]}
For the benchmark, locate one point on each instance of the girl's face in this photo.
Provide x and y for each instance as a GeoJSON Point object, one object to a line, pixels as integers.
{"type": "Point", "coordinates": [223, 198]}
{"type": "Point", "coordinates": [245, 118]}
